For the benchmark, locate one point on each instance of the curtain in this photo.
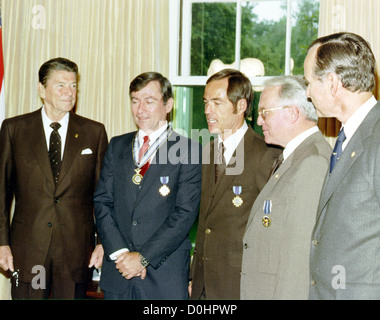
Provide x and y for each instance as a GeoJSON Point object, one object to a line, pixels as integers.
{"type": "Point", "coordinates": [358, 16]}
{"type": "Point", "coordinates": [112, 41]}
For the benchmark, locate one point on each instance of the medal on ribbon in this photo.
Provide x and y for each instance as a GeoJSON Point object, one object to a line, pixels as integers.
{"type": "Point", "coordinates": [266, 220]}
{"type": "Point", "coordinates": [237, 201]}
{"type": "Point", "coordinates": [164, 190]}
{"type": "Point", "coordinates": [137, 177]}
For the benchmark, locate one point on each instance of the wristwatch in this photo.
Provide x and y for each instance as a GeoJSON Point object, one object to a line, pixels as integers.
{"type": "Point", "coordinates": [143, 261]}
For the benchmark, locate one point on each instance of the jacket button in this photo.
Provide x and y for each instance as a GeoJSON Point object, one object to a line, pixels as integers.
{"type": "Point", "coordinates": [56, 200]}
{"type": "Point", "coordinates": [49, 224]}
{"type": "Point", "coordinates": [245, 246]}
{"type": "Point", "coordinates": [208, 231]}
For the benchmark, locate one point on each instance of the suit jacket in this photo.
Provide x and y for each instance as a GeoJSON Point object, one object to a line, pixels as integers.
{"type": "Point", "coordinates": [218, 250]}
{"type": "Point", "coordinates": [345, 248]}
{"type": "Point", "coordinates": [141, 219]}
{"type": "Point", "coordinates": [40, 205]}
{"type": "Point", "coordinates": [276, 258]}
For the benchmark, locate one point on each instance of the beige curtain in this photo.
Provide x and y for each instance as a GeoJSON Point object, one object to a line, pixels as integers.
{"type": "Point", "coordinates": [358, 16]}
{"type": "Point", "coordinates": [112, 41]}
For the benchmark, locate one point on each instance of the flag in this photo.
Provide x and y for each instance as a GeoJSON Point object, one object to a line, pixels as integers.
{"type": "Point", "coordinates": [2, 98]}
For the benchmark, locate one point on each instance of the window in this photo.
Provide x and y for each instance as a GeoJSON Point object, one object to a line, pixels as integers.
{"type": "Point", "coordinates": [259, 37]}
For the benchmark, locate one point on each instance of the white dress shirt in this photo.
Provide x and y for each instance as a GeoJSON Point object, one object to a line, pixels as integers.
{"type": "Point", "coordinates": [48, 130]}
{"type": "Point", "coordinates": [232, 142]}
{"type": "Point", "coordinates": [356, 119]}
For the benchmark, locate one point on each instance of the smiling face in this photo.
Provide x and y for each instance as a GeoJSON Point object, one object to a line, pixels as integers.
{"type": "Point", "coordinates": [222, 118]}
{"type": "Point", "coordinates": [148, 108]}
{"type": "Point", "coordinates": [60, 93]}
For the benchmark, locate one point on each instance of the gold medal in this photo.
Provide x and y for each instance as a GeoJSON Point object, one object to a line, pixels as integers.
{"type": "Point", "coordinates": [137, 177]}
{"type": "Point", "coordinates": [237, 201]}
{"type": "Point", "coordinates": [266, 221]}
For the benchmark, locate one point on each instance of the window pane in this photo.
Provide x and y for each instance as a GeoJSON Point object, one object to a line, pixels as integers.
{"type": "Point", "coordinates": [263, 34]}
{"type": "Point", "coordinates": [305, 19]}
{"type": "Point", "coordinates": [212, 35]}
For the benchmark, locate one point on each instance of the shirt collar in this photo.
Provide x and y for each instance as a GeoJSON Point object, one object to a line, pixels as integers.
{"type": "Point", "coordinates": [294, 143]}
{"type": "Point", "coordinates": [357, 118]}
{"type": "Point", "coordinates": [233, 141]}
{"type": "Point", "coordinates": [153, 136]}
{"type": "Point", "coordinates": [47, 121]}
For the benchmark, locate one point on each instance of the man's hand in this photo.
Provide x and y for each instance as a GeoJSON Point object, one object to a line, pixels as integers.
{"type": "Point", "coordinates": [6, 259]}
{"type": "Point", "coordinates": [129, 265]}
{"type": "Point", "coordinates": [97, 257]}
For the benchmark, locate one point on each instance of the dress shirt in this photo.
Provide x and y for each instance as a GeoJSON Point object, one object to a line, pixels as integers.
{"type": "Point", "coordinates": [232, 142]}
{"type": "Point", "coordinates": [64, 122]}
{"type": "Point", "coordinates": [356, 119]}
{"type": "Point", "coordinates": [295, 142]}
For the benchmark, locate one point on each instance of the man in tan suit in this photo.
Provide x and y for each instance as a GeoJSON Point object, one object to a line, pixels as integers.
{"type": "Point", "coordinates": [227, 199]}
{"type": "Point", "coordinates": [277, 238]}
{"type": "Point", "coordinates": [49, 243]}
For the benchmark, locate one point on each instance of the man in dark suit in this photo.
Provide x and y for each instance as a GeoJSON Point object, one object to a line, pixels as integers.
{"type": "Point", "coordinates": [227, 197]}
{"type": "Point", "coordinates": [147, 200]}
{"type": "Point", "coordinates": [51, 238]}
{"type": "Point", "coordinates": [345, 256]}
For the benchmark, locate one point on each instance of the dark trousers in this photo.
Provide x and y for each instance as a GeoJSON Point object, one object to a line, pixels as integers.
{"type": "Point", "coordinates": [57, 282]}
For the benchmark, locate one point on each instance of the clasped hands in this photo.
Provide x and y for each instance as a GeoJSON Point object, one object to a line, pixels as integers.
{"type": "Point", "coordinates": [129, 265]}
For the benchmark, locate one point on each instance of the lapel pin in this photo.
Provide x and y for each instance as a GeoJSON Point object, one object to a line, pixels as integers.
{"type": "Point", "coordinates": [76, 136]}
{"type": "Point", "coordinates": [353, 154]}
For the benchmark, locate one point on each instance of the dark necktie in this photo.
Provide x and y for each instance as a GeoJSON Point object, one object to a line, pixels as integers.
{"type": "Point", "coordinates": [337, 152]}
{"type": "Point", "coordinates": [220, 164]}
{"type": "Point", "coordinates": [55, 151]}
{"type": "Point", "coordinates": [276, 165]}
{"type": "Point", "coordinates": [142, 151]}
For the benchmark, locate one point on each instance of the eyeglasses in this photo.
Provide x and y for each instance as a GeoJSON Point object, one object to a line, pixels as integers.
{"type": "Point", "coordinates": [263, 112]}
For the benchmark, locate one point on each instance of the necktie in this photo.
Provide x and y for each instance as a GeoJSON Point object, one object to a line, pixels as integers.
{"type": "Point", "coordinates": [276, 165]}
{"type": "Point", "coordinates": [143, 149]}
{"type": "Point", "coordinates": [220, 164]}
{"type": "Point", "coordinates": [337, 152]}
{"type": "Point", "coordinates": [55, 151]}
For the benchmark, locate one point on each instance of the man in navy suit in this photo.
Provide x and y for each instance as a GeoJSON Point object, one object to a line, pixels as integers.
{"type": "Point", "coordinates": [147, 200]}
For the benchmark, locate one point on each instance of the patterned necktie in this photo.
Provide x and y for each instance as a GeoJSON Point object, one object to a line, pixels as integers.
{"type": "Point", "coordinates": [220, 164]}
{"type": "Point", "coordinates": [337, 152]}
{"type": "Point", "coordinates": [142, 151]}
{"type": "Point", "coordinates": [276, 165]}
{"type": "Point", "coordinates": [55, 151]}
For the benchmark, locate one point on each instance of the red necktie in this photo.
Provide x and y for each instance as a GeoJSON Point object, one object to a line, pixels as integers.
{"type": "Point", "coordinates": [143, 149]}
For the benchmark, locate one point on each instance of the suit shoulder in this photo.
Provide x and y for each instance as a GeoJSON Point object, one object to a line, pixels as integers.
{"type": "Point", "coordinates": [22, 117]}
{"type": "Point", "coordinates": [85, 121]}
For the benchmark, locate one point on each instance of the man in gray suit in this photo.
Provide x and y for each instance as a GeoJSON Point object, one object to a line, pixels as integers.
{"type": "Point", "coordinates": [345, 255]}
{"type": "Point", "coordinates": [277, 236]}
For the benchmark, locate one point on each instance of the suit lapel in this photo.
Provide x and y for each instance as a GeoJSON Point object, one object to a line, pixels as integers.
{"type": "Point", "coordinates": [37, 142]}
{"type": "Point", "coordinates": [74, 140]}
{"type": "Point", "coordinates": [129, 167]}
{"type": "Point", "coordinates": [350, 155]}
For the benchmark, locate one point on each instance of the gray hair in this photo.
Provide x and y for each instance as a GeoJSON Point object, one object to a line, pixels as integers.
{"type": "Point", "coordinates": [293, 92]}
{"type": "Point", "coordinates": [350, 57]}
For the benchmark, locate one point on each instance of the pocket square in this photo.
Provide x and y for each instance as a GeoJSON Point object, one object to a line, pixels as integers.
{"type": "Point", "coordinates": [87, 151]}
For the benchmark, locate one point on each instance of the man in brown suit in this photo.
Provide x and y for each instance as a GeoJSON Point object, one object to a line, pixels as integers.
{"type": "Point", "coordinates": [49, 243]}
{"type": "Point", "coordinates": [226, 201]}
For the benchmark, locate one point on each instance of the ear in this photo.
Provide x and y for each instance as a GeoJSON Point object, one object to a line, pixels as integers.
{"type": "Point", "coordinates": [41, 90]}
{"type": "Point", "coordinates": [294, 114]}
{"type": "Point", "coordinates": [241, 106]}
{"type": "Point", "coordinates": [334, 83]}
{"type": "Point", "coordinates": [169, 105]}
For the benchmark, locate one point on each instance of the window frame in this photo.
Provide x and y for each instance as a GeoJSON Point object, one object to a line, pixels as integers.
{"type": "Point", "coordinates": [180, 42]}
